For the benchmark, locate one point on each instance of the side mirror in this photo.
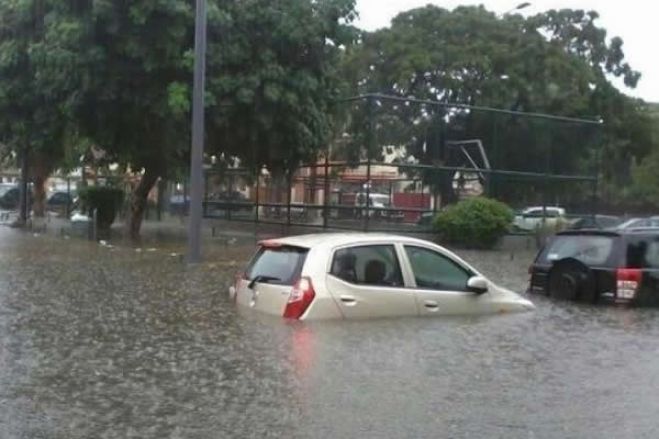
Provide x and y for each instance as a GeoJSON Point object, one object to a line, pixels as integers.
{"type": "Point", "coordinates": [477, 285]}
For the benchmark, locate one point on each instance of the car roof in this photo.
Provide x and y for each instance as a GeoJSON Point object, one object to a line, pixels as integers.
{"type": "Point", "coordinates": [612, 232]}
{"type": "Point", "coordinates": [526, 209]}
{"type": "Point", "coordinates": [338, 239]}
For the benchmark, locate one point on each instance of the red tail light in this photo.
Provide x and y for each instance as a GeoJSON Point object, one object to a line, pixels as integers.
{"type": "Point", "coordinates": [628, 281]}
{"type": "Point", "coordinates": [301, 297]}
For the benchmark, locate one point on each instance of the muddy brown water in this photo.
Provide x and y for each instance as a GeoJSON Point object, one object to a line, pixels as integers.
{"type": "Point", "coordinates": [99, 342]}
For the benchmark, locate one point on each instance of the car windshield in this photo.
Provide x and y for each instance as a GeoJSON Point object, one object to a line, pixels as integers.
{"type": "Point", "coordinates": [589, 249]}
{"type": "Point", "coordinates": [279, 264]}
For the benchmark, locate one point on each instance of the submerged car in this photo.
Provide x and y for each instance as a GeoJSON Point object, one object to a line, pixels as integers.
{"type": "Point", "coordinates": [361, 275]}
{"type": "Point", "coordinates": [615, 266]}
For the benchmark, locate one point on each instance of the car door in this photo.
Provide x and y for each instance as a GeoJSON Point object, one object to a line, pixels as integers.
{"type": "Point", "coordinates": [366, 281]}
{"type": "Point", "coordinates": [439, 283]}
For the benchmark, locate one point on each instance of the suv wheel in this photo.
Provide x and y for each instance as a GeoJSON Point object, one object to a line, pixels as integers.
{"type": "Point", "coordinates": [570, 279]}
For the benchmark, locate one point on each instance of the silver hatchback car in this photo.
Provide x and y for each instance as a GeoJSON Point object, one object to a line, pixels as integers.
{"type": "Point", "coordinates": [360, 275]}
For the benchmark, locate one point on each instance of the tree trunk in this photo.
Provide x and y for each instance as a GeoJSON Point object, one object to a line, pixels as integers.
{"type": "Point", "coordinates": [39, 202]}
{"type": "Point", "coordinates": [139, 200]}
{"type": "Point", "coordinates": [40, 170]}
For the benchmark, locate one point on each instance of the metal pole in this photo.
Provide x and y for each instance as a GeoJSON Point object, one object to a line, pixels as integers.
{"type": "Point", "coordinates": [228, 203]}
{"type": "Point", "coordinates": [288, 199]}
{"type": "Point", "coordinates": [69, 199]}
{"type": "Point", "coordinates": [95, 225]}
{"type": "Point", "coordinates": [369, 146]}
{"type": "Point", "coordinates": [326, 190]}
{"type": "Point", "coordinates": [257, 198]}
{"type": "Point", "coordinates": [197, 153]}
{"type": "Point", "coordinates": [596, 182]}
{"type": "Point", "coordinates": [205, 201]}
{"type": "Point", "coordinates": [23, 194]}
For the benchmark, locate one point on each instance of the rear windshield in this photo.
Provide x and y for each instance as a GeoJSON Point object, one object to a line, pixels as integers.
{"type": "Point", "coordinates": [280, 265]}
{"type": "Point", "coordinates": [589, 249]}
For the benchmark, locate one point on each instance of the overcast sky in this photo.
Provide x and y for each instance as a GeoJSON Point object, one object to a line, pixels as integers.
{"type": "Point", "coordinates": [636, 21]}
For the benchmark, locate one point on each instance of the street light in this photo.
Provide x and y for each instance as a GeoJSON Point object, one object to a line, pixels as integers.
{"type": "Point", "coordinates": [198, 131]}
{"type": "Point", "coordinates": [518, 7]}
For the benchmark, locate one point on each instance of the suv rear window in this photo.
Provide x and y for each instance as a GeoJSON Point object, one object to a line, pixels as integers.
{"type": "Point", "coordinates": [589, 249]}
{"type": "Point", "coordinates": [281, 265]}
{"type": "Point", "coordinates": [643, 253]}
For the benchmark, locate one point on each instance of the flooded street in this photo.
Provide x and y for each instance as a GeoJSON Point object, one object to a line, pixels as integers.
{"type": "Point", "coordinates": [99, 342]}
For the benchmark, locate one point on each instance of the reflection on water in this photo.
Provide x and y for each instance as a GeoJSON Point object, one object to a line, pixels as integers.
{"type": "Point", "coordinates": [110, 343]}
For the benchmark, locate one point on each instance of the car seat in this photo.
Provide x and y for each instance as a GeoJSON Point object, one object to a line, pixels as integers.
{"type": "Point", "coordinates": [346, 267]}
{"type": "Point", "coordinates": [375, 272]}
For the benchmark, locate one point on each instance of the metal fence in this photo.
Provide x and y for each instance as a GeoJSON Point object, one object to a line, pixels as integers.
{"type": "Point", "coordinates": [395, 162]}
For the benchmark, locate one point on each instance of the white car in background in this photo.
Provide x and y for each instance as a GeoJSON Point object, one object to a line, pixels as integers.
{"type": "Point", "coordinates": [359, 275]}
{"type": "Point", "coordinates": [533, 218]}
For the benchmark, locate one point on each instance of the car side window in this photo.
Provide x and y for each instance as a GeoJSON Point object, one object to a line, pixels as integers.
{"type": "Point", "coordinates": [652, 255]}
{"type": "Point", "coordinates": [368, 265]}
{"type": "Point", "coordinates": [435, 271]}
{"type": "Point", "coordinates": [643, 254]}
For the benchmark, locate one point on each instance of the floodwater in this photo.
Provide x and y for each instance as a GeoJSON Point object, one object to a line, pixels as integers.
{"type": "Point", "coordinates": [100, 342]}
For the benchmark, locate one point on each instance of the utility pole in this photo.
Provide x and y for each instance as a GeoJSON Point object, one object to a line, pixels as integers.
{"type": "Point", "coordinates": [198, 131]}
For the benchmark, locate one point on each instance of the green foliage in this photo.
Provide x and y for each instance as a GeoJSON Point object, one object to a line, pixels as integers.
{"type": "Point", "coordinates": [107, 201]}
{"type": "Point", "coordinates": [644, 190]}
{"type": "Point", "coordinates": [558, 62]}
{"type": "Point", "coordinates": [273, 77]}
{"type": "Point", "coordinates": [476, 222]}
{"type": "Point", "coordinates": [40, 74]}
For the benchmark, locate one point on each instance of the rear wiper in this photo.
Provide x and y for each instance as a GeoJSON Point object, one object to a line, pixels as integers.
{"type": "Point", "coordinates": [261, 279]}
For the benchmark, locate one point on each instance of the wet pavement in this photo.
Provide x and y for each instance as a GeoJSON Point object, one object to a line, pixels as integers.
{"type": "Point", "coordinates": [110, 342]}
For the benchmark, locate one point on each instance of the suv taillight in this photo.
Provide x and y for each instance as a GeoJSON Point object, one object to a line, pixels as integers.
{"type": "Point", "coordinates": [300, 298]}
{"type": "Point", "coordinates": [628, 280]}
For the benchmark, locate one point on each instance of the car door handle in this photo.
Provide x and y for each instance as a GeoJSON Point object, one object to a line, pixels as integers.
{"type": "Point", "coordinates": [349, 300]}
{"type": "Point", "coordinates": [431, 305]}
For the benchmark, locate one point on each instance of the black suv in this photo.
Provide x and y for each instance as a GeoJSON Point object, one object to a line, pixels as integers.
{"type": "Point", "coordinates": [600, 266]}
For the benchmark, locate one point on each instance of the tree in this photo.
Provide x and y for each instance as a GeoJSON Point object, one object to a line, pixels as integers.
{"type": "Point", "coordinates": [274, 78]}
{"type": "Point", "coordinates": [645, 187]}
{"type": "Point", "coordinates": [270, 81]}
{"type": "Point", "coordinates": [39, 76]}
{"type": "Point", "coordinates": [558, 62]}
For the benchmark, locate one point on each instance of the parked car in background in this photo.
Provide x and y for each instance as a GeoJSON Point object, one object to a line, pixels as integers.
{"type": "Point", "coordinates": [379, 206]}
{"type": "Point", "coordinates": [233, 201]}
{"type": "Point", "coordinates": [600, 266]}
{"type": "Point", "coordinates": [426, 219]}
{"type": "Point", "coordinates": [61, 200]}
{"type": "Point", "coordinates": [532, 218]}
{"type": "Point", "coordinates": [4, 189]}
{"type": "Point", "coordinates": [179, 204]}
{"type": "Point", "coordinates": [635, 223]}
{"type": "Point", "coordinates": [596, 222]}
{"type": "Point", "coordinates": [10, 195]}
{"type": "Point", "coordinates": [360, 275]}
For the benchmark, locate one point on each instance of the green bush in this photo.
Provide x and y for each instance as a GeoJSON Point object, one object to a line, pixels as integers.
{"type": "Point", "coordinates": [106, 199]}
{"type": "Point", "coordinates": [476, 222]}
